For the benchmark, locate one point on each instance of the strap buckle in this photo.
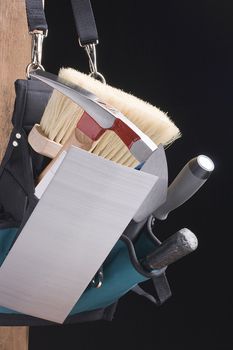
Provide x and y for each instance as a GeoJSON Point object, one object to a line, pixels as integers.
{"type": "Point", "coordinates": [36, 53]}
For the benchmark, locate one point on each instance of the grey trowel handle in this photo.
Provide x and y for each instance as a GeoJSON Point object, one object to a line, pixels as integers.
{"type": "Point", "coordinates": [188, 181]}
{"type": "Point", "coordinates": [172, 249]}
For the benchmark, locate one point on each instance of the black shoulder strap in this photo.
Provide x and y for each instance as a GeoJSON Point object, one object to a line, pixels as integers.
{"type": "Point", "coordinates": [85, 22]}
{"type": "Point", "coordinates": [83, 16]}
{"type": "Point", "coordinates": [36, 16]}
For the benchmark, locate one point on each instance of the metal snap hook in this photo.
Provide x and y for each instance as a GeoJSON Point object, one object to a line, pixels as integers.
{"type": "Point", "coordinates": [91, 53]}
{"type": "Point", "coordinates": [98, 76]}
{"type": "Point", "coordinates": [36, 54]}
{"type": "Point", "coordinates": [32, 67]}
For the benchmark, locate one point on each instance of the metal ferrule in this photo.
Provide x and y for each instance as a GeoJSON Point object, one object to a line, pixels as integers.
{"type": "Point", "coordinates": [201, 167]}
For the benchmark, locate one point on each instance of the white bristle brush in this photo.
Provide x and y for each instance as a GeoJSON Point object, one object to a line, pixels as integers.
{"type": "Point", "coordinates": [61, 116]}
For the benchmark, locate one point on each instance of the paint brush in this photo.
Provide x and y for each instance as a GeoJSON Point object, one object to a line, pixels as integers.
{"type": "Point", "coordinates": [62, 115]}
{"type": "Point", "coordinates": [99, 117]}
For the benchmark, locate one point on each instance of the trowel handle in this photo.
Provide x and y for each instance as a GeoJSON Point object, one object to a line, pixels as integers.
{"type": "Point", "coordinates": [172, 249]}
{"type": "Point", "coordinates": [187, 182]}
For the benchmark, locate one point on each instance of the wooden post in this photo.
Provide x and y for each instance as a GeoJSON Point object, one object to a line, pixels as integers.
{"type": "Point", "coordinates": [14, 338]}
{"type": "Point", "coordinates": [15, 54]}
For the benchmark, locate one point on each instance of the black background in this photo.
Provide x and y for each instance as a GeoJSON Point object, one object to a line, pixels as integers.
{"type": "Point", "coordinates": [177, 55]}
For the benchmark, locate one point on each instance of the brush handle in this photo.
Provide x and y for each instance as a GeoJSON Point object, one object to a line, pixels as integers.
{"type": "Point", "coordinates": [42, 144]}
{"type": "Point", "coordinates": [77, 139]}
{"type": "Point", "coordinates": [172, 249]}
{"type": "Point", "coordinates": [188, 181]}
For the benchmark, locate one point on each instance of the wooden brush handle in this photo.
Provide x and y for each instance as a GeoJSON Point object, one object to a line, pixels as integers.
{"type": "Point", "coordinates": [78, 139]}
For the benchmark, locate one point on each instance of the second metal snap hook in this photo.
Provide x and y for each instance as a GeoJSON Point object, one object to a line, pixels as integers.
{"type": "Point", "coordinates": [91, 53]}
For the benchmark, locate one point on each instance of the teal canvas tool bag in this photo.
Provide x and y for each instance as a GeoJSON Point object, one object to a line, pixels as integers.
{"type": "Point", "coordinates": [120, 276]}
{"type": "Point", "coordinates": [19, 169]}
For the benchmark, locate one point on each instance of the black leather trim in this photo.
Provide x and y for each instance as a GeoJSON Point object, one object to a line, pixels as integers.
{"type": "Point", "coordinates": [26, 320]}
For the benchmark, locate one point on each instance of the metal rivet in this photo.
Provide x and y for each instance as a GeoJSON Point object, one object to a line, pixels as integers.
{"type": "Point", "coordinates": [18, 135]}
{"type": "Point", "coordinates": [15, 143]}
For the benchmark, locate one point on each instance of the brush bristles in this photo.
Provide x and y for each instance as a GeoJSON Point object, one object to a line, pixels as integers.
{"type": "Point", "coordinates": [61, 117]}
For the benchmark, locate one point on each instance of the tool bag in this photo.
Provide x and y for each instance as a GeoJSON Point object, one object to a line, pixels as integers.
{"type": "Point", "coordinates": [18, 171]}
